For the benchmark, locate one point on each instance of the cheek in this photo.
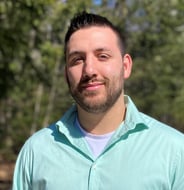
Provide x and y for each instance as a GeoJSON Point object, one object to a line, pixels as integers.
{"type": "Point", "coordinates": [73, 77]}
{"type": "Point", "coordinates": [116, 71]}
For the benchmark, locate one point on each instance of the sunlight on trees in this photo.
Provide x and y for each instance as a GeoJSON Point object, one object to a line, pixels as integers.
{"type": "Point", "coordinates": [33, 91]}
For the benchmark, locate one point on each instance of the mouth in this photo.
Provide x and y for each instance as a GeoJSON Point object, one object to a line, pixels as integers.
{"type": "Point", "coordinates": [92, 85]}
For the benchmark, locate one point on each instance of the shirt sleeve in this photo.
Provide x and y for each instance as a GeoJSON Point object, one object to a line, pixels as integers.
{"type": "Point", "coordinates": [178, 182]}
{"type": "Point", "coordinates": [22, 171]}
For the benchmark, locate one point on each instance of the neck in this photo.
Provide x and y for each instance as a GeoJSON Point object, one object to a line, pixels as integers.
{"type": "Point", "coordinates": [103, 123]}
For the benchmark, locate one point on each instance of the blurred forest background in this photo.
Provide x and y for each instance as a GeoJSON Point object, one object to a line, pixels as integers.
{"type": "Point", "coordinates": [33, 91]}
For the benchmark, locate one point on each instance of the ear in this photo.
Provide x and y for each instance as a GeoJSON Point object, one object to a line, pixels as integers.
{"type": "Point", "coordinates": [127, 65]}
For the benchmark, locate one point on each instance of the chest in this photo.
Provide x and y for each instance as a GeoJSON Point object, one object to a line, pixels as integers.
{"type": "Point", "coordinates": [121, 167]}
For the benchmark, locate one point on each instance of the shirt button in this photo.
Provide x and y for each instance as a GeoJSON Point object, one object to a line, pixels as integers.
{"type": "Point", "coordinates": [94, 166]}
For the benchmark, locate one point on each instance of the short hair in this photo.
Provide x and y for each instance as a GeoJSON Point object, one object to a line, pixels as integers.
{"type": "Point", "coordinates": [84, 20]}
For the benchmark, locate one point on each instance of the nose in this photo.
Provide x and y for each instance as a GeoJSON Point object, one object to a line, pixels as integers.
{"type": "Point", "coordinates": [89, 67]}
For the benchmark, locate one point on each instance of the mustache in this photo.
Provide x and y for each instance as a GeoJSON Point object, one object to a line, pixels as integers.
{"type": "Point", "coordinates": [88, 79]}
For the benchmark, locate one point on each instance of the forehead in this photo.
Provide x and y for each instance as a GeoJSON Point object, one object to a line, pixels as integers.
{"type": "Point", "coordinates": [93, 36]}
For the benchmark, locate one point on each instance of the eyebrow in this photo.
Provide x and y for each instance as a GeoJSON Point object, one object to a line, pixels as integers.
{"type": "Point", "coordinates": [73, 53]}
{"type": "Point", "coordinates": [102, 49]}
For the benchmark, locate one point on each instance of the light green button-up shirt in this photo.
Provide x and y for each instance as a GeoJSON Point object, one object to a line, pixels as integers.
{"type": "Point", "coordinates": [143, 154]}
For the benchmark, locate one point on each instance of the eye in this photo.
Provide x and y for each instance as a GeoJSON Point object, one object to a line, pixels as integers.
{"type": "Point", "coordinates": [76, 60]}
{"type": "Point", "coordinates": [103, 56]}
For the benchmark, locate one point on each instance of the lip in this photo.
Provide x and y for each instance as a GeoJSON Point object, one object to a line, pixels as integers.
{"type": "Point", "coordinates": [92, 86]}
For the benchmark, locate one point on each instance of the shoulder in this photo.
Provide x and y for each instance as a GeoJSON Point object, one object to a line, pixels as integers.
{"type": "Point", "coordinates": [41, 138]}
{"type": "Point", "coordinates": [48, 136]}
{"type": "Point", "coordinates": [163, 131]}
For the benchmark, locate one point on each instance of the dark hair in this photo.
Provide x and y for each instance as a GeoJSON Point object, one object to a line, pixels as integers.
{"type": "Point", "coordinates": [84, 19]}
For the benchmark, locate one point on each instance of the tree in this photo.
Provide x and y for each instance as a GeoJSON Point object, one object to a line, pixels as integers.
{"type": "Point", "coordinates": [32, 85]}
{"type": "Point", "coordinates": [154, 33]}
{"type": "Point", "coordinates": [33, 88]}
{"type": "Point", "coordinates": [156, 45]}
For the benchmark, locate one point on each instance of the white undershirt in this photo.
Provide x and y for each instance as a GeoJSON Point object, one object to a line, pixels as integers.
{"type": "Point", "coordinates": [96, 142]}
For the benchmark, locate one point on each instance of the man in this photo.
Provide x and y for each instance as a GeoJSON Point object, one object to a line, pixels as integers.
{"type": "Point", "coordinates": [103, 142]}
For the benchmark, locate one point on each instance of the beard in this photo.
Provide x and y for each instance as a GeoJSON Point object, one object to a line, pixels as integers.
{"type": "Point", "coordinates": [97, 101]}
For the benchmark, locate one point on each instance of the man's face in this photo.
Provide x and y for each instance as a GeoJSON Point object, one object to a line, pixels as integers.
{"type": "Point", "coordinates": [95, 68]}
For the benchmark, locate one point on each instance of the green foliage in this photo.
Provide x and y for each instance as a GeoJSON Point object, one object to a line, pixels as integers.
{"type": "Point", "coordinates": [157, 48]}
{"type": "Point", "coordinates": [33, 91]}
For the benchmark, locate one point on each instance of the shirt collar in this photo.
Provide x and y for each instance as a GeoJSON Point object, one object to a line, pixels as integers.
{"type": "Point", "coordinates": [134, 120]}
